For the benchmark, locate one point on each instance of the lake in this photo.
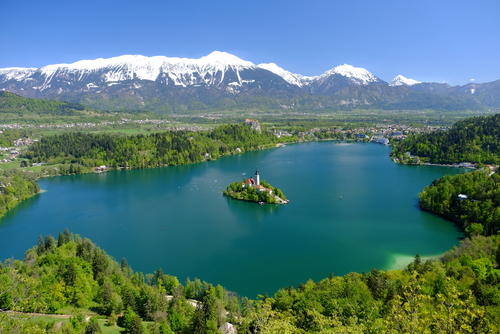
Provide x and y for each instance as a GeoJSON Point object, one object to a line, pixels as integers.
{"type": "Point", "coordinates": [351, 209]}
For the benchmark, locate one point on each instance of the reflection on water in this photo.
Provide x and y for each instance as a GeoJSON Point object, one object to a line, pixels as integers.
{"type": "Point", "coordinates": [246, 211]}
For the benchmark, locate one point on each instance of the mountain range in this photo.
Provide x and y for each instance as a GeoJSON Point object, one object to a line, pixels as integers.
{"type": "Point", "coordinates": [223, 81]}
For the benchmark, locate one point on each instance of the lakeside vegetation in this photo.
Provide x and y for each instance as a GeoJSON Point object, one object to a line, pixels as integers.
{"type": "Point", "coordinates": [151, 150]}
{"type": "Point", "coordinates": [475, 140]}
{"type": "Point", "coordinates": [70, 275]}
{"type": "Point", "coordinates": [471, 199]}
{"type": "Point", "coordinates": [268, 194]}
{"type": "Point", "coordinates": [15, 187]}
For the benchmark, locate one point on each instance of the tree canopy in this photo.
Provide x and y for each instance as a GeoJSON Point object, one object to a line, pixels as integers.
{"type": "Point", "coordinates": [475, 139]}
{"type": "Point", "coordinates": [470, 199]}
{"type": "Point", "coordinates": [460, 293]}
{"type": "Point", "coordinates": [15, 104]}
{"type": "Point", "coordinates": [152, 150]}
{"type": "Point", "coordinates": [15, 187]}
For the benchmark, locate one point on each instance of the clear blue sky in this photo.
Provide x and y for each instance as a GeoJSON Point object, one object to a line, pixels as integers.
{"type": "Point", "coordinates": [430, 40]}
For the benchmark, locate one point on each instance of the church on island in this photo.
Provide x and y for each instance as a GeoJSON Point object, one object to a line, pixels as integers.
{"type": "Point", "coordinates": [255, 182]}
{"type": "Point", "coordinates": [255, 190]}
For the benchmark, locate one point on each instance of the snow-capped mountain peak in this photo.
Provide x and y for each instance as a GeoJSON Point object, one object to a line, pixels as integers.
{"type": "Point", "coordinates": [152, 65]}
{"type": "Point", "coordinates": [401, 80]}
{"type": "Point", "coordinates": [357, 74]}
{"type": "Point", "coordinates": [225, 58]}
{"type": "Point", "coordinates": [207, 70]}
{"type": "Point", "coordinates": [136, 82]}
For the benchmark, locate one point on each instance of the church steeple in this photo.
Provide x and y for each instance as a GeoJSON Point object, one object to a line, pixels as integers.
{"type": "Point", "coordinates": [257, 177]}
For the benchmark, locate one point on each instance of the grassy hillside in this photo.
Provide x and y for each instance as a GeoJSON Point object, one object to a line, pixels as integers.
{"type": "Point", "coordinates": [11, 103]}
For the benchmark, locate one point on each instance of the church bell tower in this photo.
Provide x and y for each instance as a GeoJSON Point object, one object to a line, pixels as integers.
{"type": "Point", "coordinates": [257, 177]}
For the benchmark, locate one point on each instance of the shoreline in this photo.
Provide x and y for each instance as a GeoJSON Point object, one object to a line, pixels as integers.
{"type": "Point", "coordinates": [91, 170]}
{"type": "Point", "coordinates": [399, 261]}
{"type": "Point", "coordinates": [256, 202]}
{"type": "Point", "coordinates": [41, 191]}
{"type": "Point", "coordinates": [456, 165]}
{"type": "Point", "coordinates": [111, 169]}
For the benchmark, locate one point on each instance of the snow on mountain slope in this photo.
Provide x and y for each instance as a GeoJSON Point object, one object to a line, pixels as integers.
{"type": "Point", "coordinates": [217, 69]}
{"type": "Point", "coordinates": [222, 58]}
{"type": "Point", "coordinates": [209, 69]}
{"type": "Point", "coordinates": [358, 75]}
{"type": "Point", "coordinates": [222, 80]}
{"type": "Point", "coordinates": [292, 78]}
{"type": "Point", "coordinates": [400, 80]}
{"type": "Point", "coordinates": [16, 73]}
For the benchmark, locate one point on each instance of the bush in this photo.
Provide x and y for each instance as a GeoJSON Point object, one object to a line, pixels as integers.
{"type": "Point", "coordinates": [93, 327]}
{"type": "Point", "coordinates": [131, 322]}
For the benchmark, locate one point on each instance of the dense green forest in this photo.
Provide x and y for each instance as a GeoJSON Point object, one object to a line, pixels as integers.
{"type": "Point", "coordinates": [152, 150]}
{"type": "Point", "coordinates": [472, 200]}
{"type": "Point", "coordinates": [11, 103]}
{"type": "Point", "coordinates": [458, 294]}
{"type": "Point", "coordinates": [239, 190]}
{"type": "Point", "coordinates": [70, 274]}
{"type": "Point", "coordinates": [14, 188]}
{"type": "Point", "coordinates": [475, 139]}
{"type": "Point", "coordinates": [478, 213]}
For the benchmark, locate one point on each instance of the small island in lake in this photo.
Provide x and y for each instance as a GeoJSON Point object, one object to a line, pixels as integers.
{"type": "Point", "coordinates": [255, 190]}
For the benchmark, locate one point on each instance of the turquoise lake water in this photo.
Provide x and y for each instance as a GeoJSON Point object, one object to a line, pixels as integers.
{"type": "Point", "coordinates": [351, 209]}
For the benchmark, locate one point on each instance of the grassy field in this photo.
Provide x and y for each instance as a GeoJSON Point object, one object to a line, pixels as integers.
{"type": "Point", "coordinates": [358, 117]}
{"type": "Point", "coordinates": [108, 329]}
{"type": "Point", "coordinates": [354, 118]}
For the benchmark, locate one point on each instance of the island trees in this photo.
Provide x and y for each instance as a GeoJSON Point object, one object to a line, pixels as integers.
{"type": "Point", "coordinates": [261, 193]}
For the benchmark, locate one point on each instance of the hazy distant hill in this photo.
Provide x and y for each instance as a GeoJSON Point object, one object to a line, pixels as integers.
{"type": "Point", "coordinates": [221, 80]}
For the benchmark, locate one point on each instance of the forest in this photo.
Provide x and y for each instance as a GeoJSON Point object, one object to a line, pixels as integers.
{"type": "Point", "coordinates": [460, 293]}
{"type": "Point", "coordinates": [475, 139]}
{"type": "Point", "coordinates": [15, 187]}
{"type": "Point", "coordinates": [11, 103]}
{"type": "Point", "coordinates": [151, 150]}
{"type": "Point", "coordinates": [476, 210]}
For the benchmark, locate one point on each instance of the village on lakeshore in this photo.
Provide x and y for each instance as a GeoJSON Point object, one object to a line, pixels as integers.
{"type": "Point", "coordinates": [255, 190]}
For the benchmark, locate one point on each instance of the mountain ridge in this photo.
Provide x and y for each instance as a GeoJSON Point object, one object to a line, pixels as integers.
{"type": "Point", "coordinates": [222, 80]}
